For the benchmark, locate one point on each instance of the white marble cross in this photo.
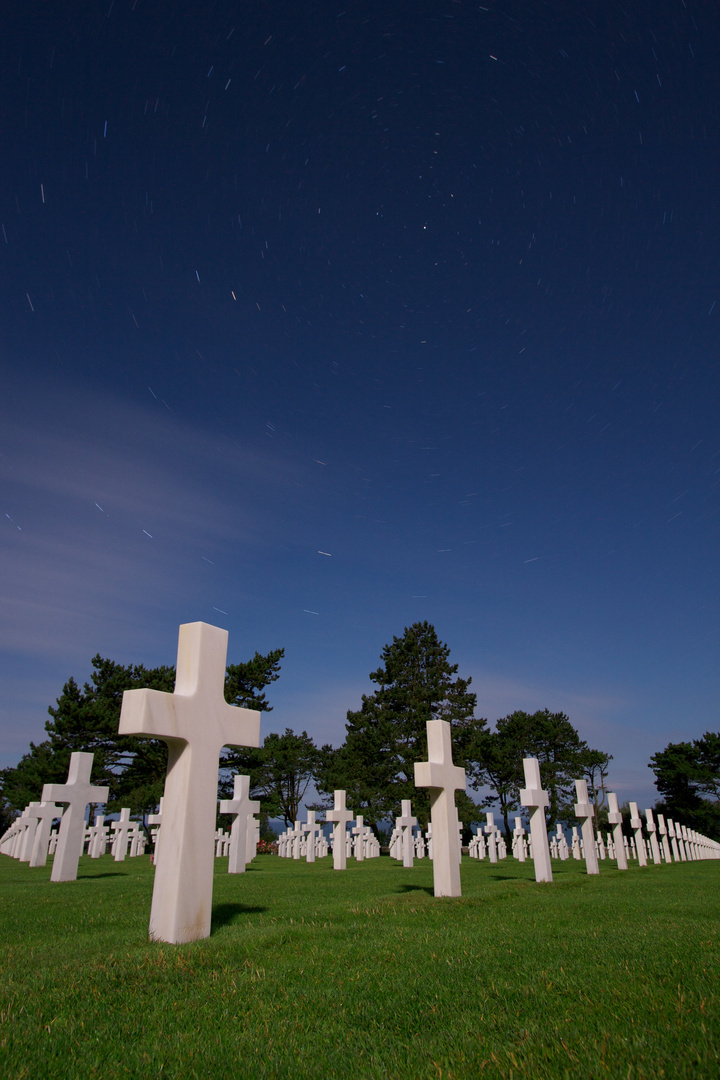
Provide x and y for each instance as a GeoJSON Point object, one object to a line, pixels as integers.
{"type": "Point", "coordinates": [243, 807]}
{"type": "Point", "coordinates": [615, 819]}
{"type": "Point", "coordinates": [77, 793]}
{"type": "Point", "coordinates": [665, 844]}
{"type": "Point", "coordinates": [121, 831]}
{"type": "Point", "coordinates": [156, 820]}
{"type": "Point", "coordinates": [636, 825]}
{"type": "Point", "coordinates": [46, 814]}
{"type": "Point", "coordinates": [652, 829]}
{"type": "Point", "coordinates": [535, 800]}
{"type": "Point", "coordinates": [443, 778]}
{"type": "Point", "coordinates": [339, 816]}
{"type": "Point", "coordinates": [358, 832]}
{"type": "Point", "coordinates": [196, 722]}
{"type": "Point", "coordinates": [98, 837]}
{"type": "Point", "coordinates": [585, 811]}
{"type": "Point", "coordinates": [519, 840]}
{"type": "Point", "coordinates": [491, 838]}
{"type": "Point", "coordinates": [406, 822]}
{"type": "Point", "coordinates": [31, 821]}
{"type": "Point", "coordinates": [312, 829]}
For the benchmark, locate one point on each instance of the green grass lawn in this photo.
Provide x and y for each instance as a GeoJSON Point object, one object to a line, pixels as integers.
{"type": "Point", "coordinates": [313, 973]}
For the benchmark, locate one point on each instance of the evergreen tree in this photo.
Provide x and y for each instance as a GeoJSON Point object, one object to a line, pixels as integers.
{"type": "Point", "coordinates": [687, 775]}
{"type": "Point", "coordinates": [87, 719]}
{"type": "Point", "coordinates": [495, 759]}
{"type": "Point", "coordinates": [387, 735]}
{"type": "Point", "coordinates": [280, 772]}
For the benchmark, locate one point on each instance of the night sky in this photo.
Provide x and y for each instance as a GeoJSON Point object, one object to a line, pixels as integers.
{"type": "Point", "coordinates": [320, 319]}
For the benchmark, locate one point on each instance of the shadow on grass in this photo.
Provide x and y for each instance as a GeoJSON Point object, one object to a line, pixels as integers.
{"type": "Point", "coordinates": [107, 873]}
{"type": "Point", "coordinates": [224, 914]}
{"type": "Point", "coordinates": [417, 888]}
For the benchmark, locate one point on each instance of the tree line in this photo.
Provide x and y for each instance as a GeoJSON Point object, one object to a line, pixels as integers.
{"type": "Point", "coordinates": [416, 682]}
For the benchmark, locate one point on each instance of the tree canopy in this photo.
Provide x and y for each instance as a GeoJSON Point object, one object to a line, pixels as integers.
{"type": "Point", "coordinates": [687, 776]}
{"type": "Point", "coordinates": [494, 759]}
{"type": "Point", "coordinates": [86, 718]}
{"type": "Point", "coordinates": [387, 734]}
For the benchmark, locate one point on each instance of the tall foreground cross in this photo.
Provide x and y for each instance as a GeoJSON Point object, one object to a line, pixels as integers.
{"type": "Point", "coordinates": [443, 778]}
{"type": "Point", "coordinates": [77, 793]}
{"type": "Point", "coordinates": [196, 722]}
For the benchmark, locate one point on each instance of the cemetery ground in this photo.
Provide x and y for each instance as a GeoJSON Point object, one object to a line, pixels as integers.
{"type": "Point", "coordinates": [311, 972]}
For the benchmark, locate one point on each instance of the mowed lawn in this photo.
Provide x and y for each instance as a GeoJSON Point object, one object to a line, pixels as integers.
{"type": "Point", "coordinates": [315, 973]}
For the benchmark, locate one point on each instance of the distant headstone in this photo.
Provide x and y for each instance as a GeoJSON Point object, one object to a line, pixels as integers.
{"type": "Point", "coordinates": [491, 834]}
{"type": "Point", "coordinates": [636, 825]}
{"type": "Point", "coordinates": [243, 807]}
{"type": "Point", "coordinates": [535, 800]}
{"type": "Point", "coordinates": [615, 819]}
{"type": "Point", "coordinates": [358, 832]}
{"type": "Point", "coordinates": [519, 840]}
{"type": "Point", "coordinates": [664, 842]}
{"type": "Point", "coordinates": [98, 837]}
{"type": "Point", "coordinates": [121, 834]}
{"type": "Point", "coordinates": [46, 814]}
{"type": "Point", "coordinates": [339, 816]}
{"type": "Point", "coordinates": [406, 823]}
{"type": "Point", "coordinates": [196, 722]}
{"type": "Point", "coordinates": [443, 778]}
{"type": "Point", "coordinates": [156, 821]}
{"type": "Point", "coordinates": [652, 830]}
{"type": "Point", "coordinates": [311, 828]}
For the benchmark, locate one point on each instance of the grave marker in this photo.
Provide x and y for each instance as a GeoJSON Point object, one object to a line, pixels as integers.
{"type": "Point", "coordinates": [77, 792]}
{"type": "Point", "coordinates": [443, 778]}
{"type": "Point", "coordinates": [339, 816]}
{"type": "Point", "coordinates": [636, 824]}
{"type": "Point", "coordinates": [196, 722]}
{"type": "Point", "coordinates": [615, 819]}
{"type": "Point", "coordinates": [535, 800]}
{"type": "Point", "coordinates": [243, 807]}
{"type": "Point", "coordinates": [406, 822]}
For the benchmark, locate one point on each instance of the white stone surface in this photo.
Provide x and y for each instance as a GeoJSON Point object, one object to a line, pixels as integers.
{"type": "Point", "coordinates": [664, 842]}
{"type": "Point", "coordinates": [156, 821]}
{"type": "Point", "coordinates": [77, 793]}
{"type": "Point", "coordinates": [98, 837]}
{"type": "Point", "coordinates": [443, 778]}
{"type": "Point", "coordinates": [196, 722]}
{"type": "Point", "coordinates": [652, 830]}
{"type": "Point", "coordinates": [243, 808]}
{"type": "Point", "coordinates": [311, 829]}
{"type": "Point", "coordinates": [535, 800]}
{"type": "Point", "coordinates": [491, 834]}
{"type": "Point", "coordinates": [406, 822]}
{"type": "Point", "coordinates": [46, 814]}
{"type": "Point", "coordinates": [585, 811]}
{"type": "Point", "coordinates": [519, 847]}
{"type": "Point", "coordinates": [121, 834]}
{"type": "Point", "coordinates": [615, 819]}
{"type": "Point", "coordinates": [636, 825]}
{"type": "Point", "coordinates": [358, 831]}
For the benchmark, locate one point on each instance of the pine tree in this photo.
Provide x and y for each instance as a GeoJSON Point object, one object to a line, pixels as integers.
{"type": "Point", "coordinates": [387, 735]}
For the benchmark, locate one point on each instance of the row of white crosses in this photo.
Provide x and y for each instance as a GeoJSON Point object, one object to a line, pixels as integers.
{"type": "Point", "coordinates": [30, 839]}
{"type": "Point", "coordinates": [307, 839]}
{"type": "Point", "coordinates": [196, 722]}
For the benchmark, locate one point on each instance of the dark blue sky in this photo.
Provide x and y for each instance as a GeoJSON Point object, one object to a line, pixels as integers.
{"type": "Point", "coordinates": [317, 320]}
